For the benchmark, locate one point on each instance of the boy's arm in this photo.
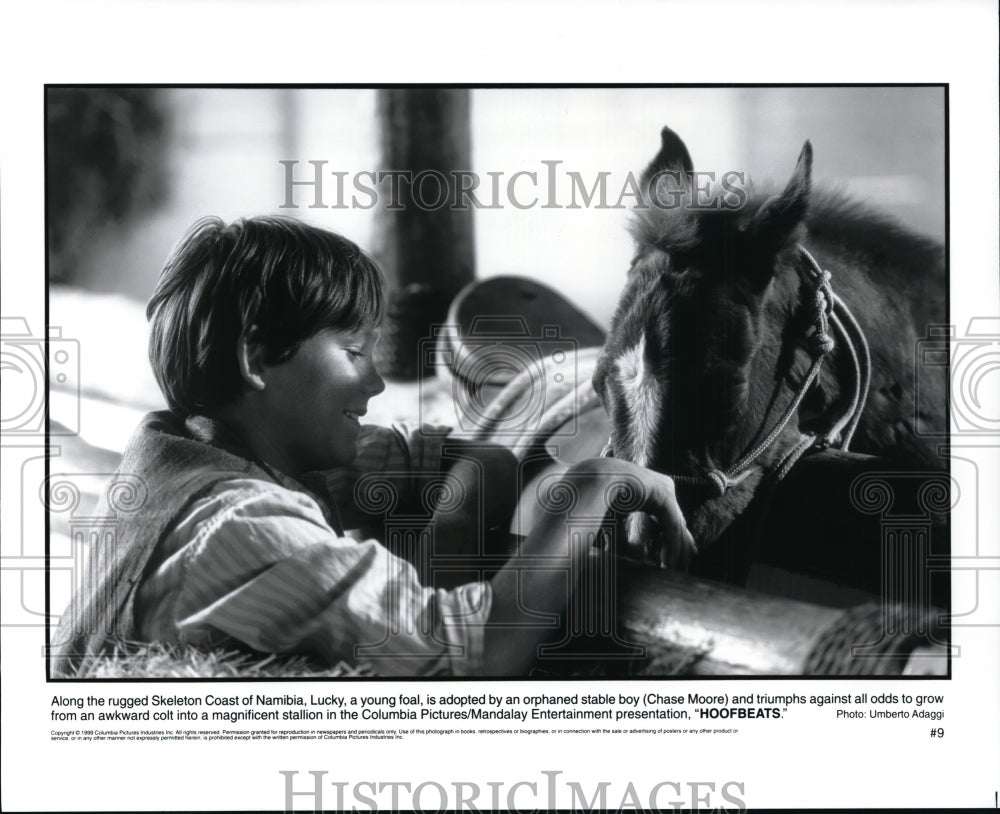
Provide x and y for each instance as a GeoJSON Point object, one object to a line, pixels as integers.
{"type": "Point", "coordinates": [554, 557]}
{"type": "Point", "coordinates": [467, 489]}
{"type": "Point", "coordinates": [259, 563]}
{"type": "Point", "coordinates": [487, 480]}
{"type": "Point", "coordinates": [400, 460]}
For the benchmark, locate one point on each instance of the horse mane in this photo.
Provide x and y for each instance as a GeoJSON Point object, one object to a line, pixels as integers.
{"type": "Point", "coordinates": [832, 216]}
{"type": "Point", "coordinates": [674, 228]}
{"type": "Point", "coordinates": [836, 217]}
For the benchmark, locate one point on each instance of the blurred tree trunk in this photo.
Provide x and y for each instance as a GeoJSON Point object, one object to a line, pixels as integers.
{"type": "Point", "coordinates": [105, 165]}
{"type": "Point", "coordinates": [423, 240]}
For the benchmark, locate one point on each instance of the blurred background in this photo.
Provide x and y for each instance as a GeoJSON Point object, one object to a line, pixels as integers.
{"type": "Point", "coordinates": [130, 169]}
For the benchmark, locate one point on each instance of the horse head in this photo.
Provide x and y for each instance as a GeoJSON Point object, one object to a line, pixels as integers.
{"type": "Point", "coordinates": [700, 359]}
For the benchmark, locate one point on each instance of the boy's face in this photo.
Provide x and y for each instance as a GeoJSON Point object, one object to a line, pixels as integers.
{"type": "Point", "coordinates": [312, 401]}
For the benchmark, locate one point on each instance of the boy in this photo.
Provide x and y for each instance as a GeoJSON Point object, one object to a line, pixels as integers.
{"type": "Point", "coordinates": [262, 335]}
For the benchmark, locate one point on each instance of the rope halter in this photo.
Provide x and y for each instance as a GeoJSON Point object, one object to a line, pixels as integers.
{"type": "Point", "coordinates": [827, 309]}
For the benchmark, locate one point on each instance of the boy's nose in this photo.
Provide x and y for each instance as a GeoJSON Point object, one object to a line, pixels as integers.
{"type": "Point", "coordinates": [375, 383]}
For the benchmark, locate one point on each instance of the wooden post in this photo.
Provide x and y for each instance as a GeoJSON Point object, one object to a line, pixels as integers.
{"type": "Point", "coordinates": [690, 626]}
{"type": "Point", "coordinates": [723, 630]}
{"type": "Point", "coordinates": [424, 238]}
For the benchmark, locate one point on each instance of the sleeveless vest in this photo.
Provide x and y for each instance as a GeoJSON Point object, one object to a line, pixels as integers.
{"type": "Point", "coordinates": [168, 464]}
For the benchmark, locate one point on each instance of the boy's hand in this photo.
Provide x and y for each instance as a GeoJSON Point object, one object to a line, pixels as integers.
{"type": "Point", "coordinates": [672, 544]}
{"type": "Point", "coordinates": [590, 491]}
{"type": "Point", "coordinates": [667, 550]}
{"type": "Point", "coordinates": [656, 524]}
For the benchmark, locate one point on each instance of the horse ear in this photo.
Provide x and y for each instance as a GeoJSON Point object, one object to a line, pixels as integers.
{"type": "Point", "coordinates": [672, 162]}
{"type": "Point", "coordinates": [777, 221]}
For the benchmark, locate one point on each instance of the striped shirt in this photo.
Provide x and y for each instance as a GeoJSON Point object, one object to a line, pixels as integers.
{"type": "Point", "coordinates": [261, 563]}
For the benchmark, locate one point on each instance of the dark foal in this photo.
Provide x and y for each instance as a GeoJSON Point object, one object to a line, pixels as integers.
{"type": "Point", "coordinates": [721, 323]}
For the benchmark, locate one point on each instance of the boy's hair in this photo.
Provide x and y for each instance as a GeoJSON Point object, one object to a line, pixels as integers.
{"type": "Point", "coordinates": [282, 278]}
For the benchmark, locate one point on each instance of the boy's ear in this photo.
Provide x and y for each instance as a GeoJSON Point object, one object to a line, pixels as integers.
{"type": "Point", "coordinates": [249, 356]}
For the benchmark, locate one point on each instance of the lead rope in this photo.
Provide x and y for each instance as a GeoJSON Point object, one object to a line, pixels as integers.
{"type": "Point", "coordinates": [863, 370]}
{"type": "Point", "coordinates": [861, 362]}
